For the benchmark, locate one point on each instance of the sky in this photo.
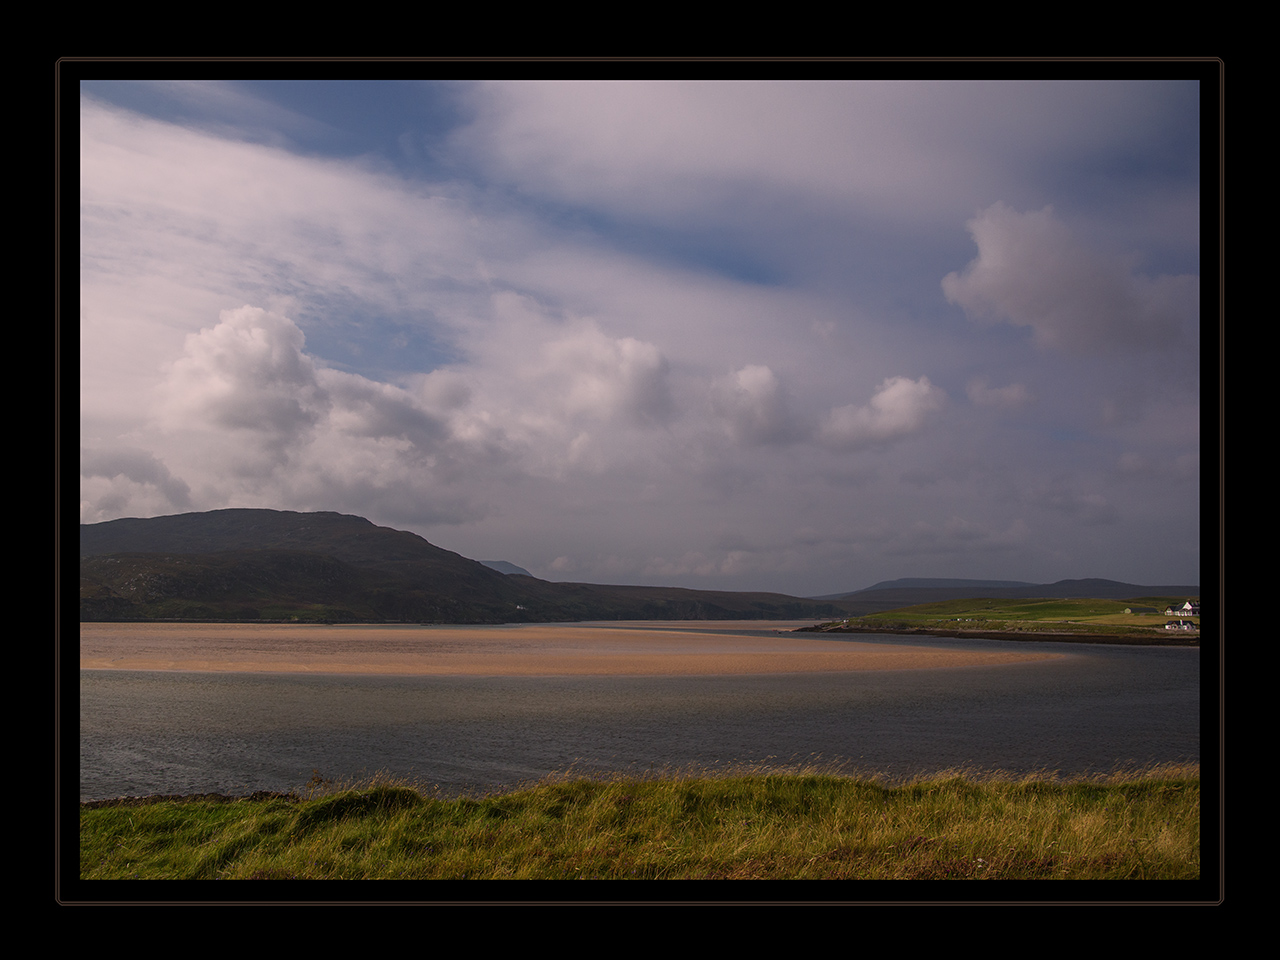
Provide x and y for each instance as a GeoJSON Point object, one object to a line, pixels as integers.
{"type": "Point", "coordinates": [786, 335]}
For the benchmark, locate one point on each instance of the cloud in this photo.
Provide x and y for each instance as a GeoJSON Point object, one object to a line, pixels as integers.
{"type": "Point", "coordinates": [623, 331]}
{"type": "Point", "coordinates": [1031, 272]}
{"type": "Point", "coordinates": [982, 544]}
{"type": "Point", "coordinates": [554, 390]}
{"type": "Point", "coordinates": [363, 408]}
{"type": "Point", "coordinates": [660, 148]}
{"type": "Point", "coordinates": [247, 374]}
{"type": "Point", "coordinates": [903, 149]}
{"type": "Point", "coordinates": [1076, 501]}
{"type": "Point", "coordinates": [900, 407]}
{"type": "Point", "coordinates": [246, 408]}
{"type": "Point", "coordinates": [1010, 397]}
{"type": "Point", "coordinates": [754, 408]}
{"type": "Point", "coordinates": [179, 220]}
{"type": "Point", "coordinates": [136, 466]}
{"type": "Point", "coordinates": [593, 375]}
{"type": "Point", "coordinates": [1133, 465]}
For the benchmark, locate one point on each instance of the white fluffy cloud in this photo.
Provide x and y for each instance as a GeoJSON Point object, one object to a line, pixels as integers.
{"type": "Point", "coordinates": [900, 407]}
{"type": "Point", "coordinates": [248, 410]}
{"type": "Point", "coordinates": [248, 372]}
{"type": "Point", "coordinates": [592, 375]}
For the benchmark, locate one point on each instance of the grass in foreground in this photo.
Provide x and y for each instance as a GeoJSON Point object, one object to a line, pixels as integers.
{"type": "Point", "coordinates": [798, 825]}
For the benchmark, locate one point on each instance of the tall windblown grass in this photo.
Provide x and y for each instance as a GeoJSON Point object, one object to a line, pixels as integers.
{"type": "Point", "coordinates": [740, 824]}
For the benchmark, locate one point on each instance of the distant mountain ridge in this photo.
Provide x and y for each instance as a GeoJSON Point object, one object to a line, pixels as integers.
{"type": "Point", "coordinates": [245, 564]}
{"type": "Point", "coordinates": [908, 591]}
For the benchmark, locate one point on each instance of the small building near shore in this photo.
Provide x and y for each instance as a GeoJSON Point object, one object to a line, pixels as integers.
{"type": "Point", "coordinates": [1188, 609]}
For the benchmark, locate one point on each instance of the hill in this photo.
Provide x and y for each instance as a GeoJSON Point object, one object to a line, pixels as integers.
{"type": "Point", "coordinates": [1074, 619]}
{"type": "Point", "coordinates": [506, 566]}
{"type": "Point", "coordinates": [280, 565]}
{"type": "Point", "coordinates": [892, 594]}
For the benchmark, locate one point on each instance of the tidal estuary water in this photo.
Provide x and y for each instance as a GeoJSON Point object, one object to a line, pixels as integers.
{"type": "Point", "coordinates": [1093, 710]}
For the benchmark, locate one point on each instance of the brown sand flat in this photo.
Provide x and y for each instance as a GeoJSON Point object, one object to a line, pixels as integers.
{"type": "Point", "coordinates": [633, 649]}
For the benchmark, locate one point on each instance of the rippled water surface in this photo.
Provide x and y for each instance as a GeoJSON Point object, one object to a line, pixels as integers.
{"type": "Point", "coordinates": [1095, 709]}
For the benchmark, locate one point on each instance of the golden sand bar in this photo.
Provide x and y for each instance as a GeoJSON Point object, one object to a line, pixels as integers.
{"type": "Point", "coordinates": [628, 649]}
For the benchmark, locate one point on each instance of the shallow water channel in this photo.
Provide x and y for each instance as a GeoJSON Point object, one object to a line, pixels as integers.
{"type": "Point", "coordinates": [1093, 710]}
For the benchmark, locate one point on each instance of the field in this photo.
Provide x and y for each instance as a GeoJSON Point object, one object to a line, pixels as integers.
{"type": "Point", "coordinates": [785, 825]}
{"type": "Point", "coordinates": [1071, 616]}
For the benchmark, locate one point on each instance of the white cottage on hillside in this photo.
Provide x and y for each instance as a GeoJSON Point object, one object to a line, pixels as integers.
{"type": "Point", "coordinates": [1187, 609]}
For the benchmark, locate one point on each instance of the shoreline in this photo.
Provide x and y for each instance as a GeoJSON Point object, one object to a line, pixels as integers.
{"type": "Point", "coordinates": [1119, 774]}
{"type": "Point", "coordinates": [1052, 636]}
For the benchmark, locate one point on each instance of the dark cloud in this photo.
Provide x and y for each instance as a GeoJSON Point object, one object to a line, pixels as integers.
{"type": "Point", "coordinates": [138, 466]}
{"type": "Point", "coordinates": [1031, 272]}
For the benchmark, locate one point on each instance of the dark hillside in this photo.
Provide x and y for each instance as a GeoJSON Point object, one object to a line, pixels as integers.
{"type": "Point", "coordinates": [337, 535]}
{"type": "Point", "coordinates": [269, 564]}
{"type": "Point", "coordinates": [281, 565]}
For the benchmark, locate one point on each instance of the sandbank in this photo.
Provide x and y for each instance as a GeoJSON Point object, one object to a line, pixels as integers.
{"type": "Point", "coordinates": [631, 649]}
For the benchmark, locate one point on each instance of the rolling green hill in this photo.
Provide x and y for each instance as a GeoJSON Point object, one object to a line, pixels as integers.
{"type": "Point", "coordinates": [1079, 616]}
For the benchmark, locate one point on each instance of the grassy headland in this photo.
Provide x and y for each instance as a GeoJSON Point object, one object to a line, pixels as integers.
{"type": "Point", "coordinates": [788, 825]}
{"type": "Point", "coordinates": [1138, 620]}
